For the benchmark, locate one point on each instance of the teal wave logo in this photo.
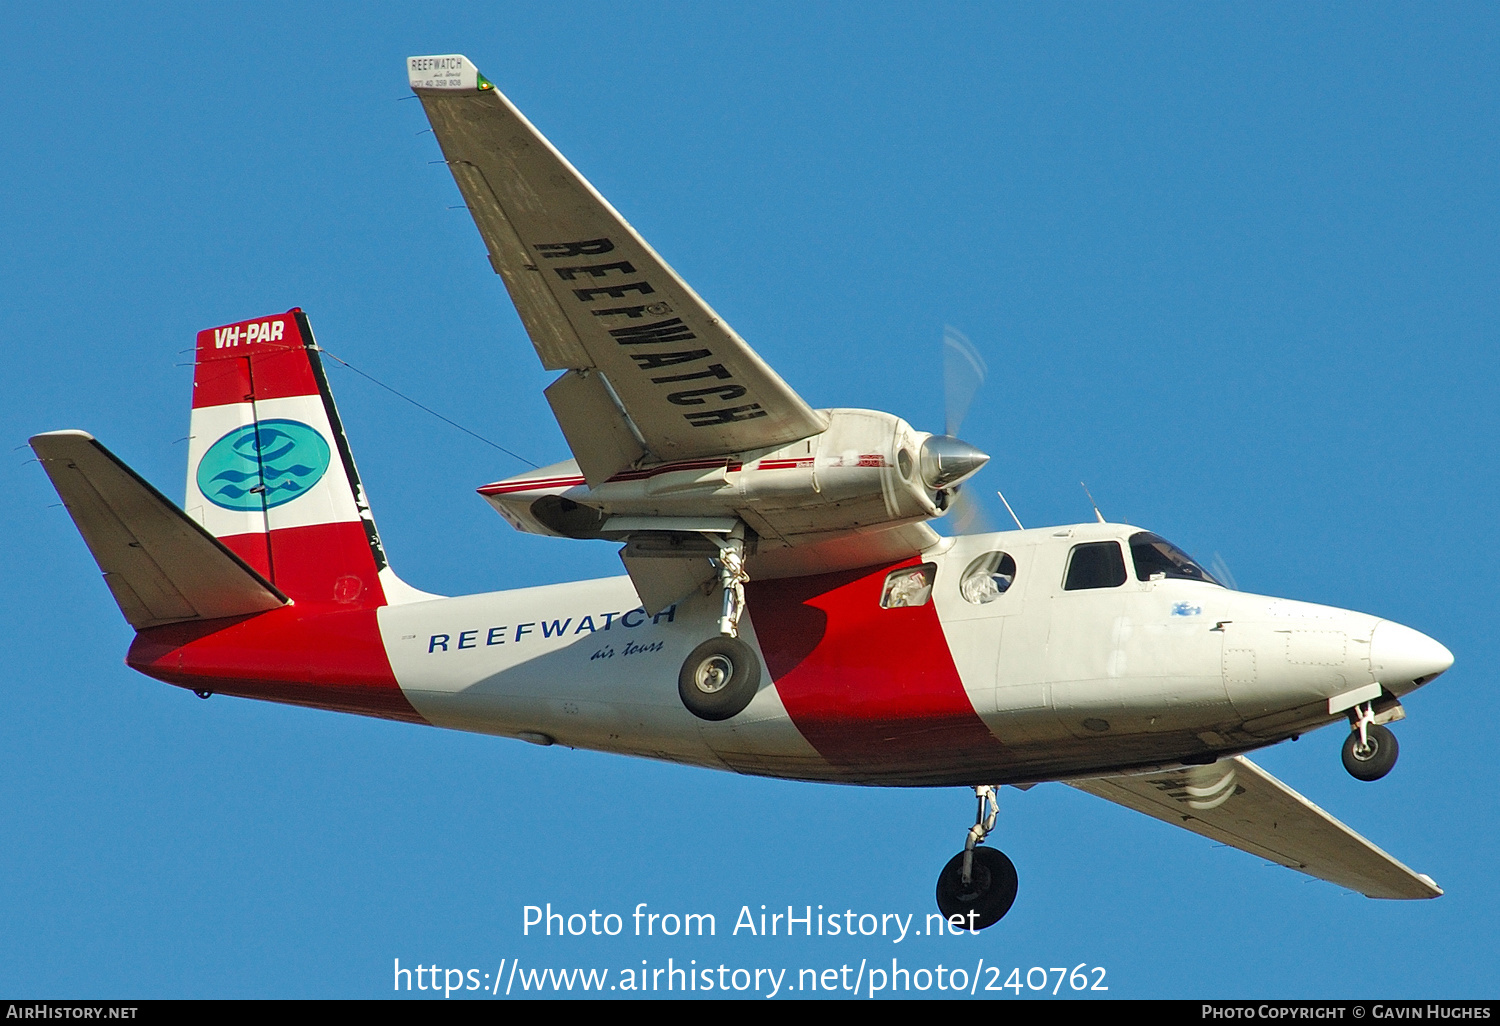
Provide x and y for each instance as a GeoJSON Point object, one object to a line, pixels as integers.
{"type": "Point", "coordinates": [287, 457]}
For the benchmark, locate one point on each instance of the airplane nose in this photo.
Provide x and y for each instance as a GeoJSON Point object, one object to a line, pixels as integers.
{"type": "Point", "coordinates": [1402, 656]}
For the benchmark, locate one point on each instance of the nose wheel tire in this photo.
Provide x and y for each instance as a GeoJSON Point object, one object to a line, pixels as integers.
{"type": "Point", "coordinates": [1373, 759]}
{"type": "Point", "coordinates": [988, 895]}
{"type": "Point", "coordinates": [719, 679]}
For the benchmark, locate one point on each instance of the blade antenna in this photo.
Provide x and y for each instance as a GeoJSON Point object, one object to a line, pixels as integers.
{"type": "Point", "coordinates": [1091, 501]}
{"type": "Point", "coordinates": [1009, 510]}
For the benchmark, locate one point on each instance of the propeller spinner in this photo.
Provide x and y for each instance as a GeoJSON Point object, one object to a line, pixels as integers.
{"type": "Point", "coordinates": [946, 461]}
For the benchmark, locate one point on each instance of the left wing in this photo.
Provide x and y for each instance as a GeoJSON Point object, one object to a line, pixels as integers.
{"type": "Point", "coordinates": [654, 374]}
{"type": "Point", "coordinates": [1237, 803]}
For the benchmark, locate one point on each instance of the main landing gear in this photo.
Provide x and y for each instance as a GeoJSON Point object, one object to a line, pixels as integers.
{"type": "Point", "coordinates": [978, 884]}
{"type": "Point", "coordinates": [720, 677]}
{"type": "Point", "coordinates": [1370, 750]}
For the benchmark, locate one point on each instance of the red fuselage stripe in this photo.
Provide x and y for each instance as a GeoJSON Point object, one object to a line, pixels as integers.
{"type": "Point", "coordinates": [872, 689]}
{"type": "Point", "coordinates": [303, 654]}
{"type": "Point", "coordinates": [324, 650]}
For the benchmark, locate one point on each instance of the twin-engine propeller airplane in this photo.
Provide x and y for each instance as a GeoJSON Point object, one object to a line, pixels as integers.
{"type": "Point", "coordinates": [788, 610]}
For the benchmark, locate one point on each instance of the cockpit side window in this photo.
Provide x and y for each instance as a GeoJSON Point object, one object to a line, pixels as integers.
{"type": "Point", "coordinates": [1095, 565]}
{"type": "Point", "coordinates": [1156, 557]}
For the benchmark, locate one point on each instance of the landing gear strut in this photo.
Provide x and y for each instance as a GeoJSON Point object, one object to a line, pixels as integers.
{"type": "Point", "coordinates": [732, 578]}
{"type": "Point", "coordinates": [978, 884]}
{"type": "Point", "coordinates": [1370, 750]}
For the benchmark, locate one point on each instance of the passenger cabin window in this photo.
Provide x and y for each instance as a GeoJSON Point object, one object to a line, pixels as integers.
{"type": "Point", "coordinates": [987, 578]}
{"type": "Point", "coordinates": [1156, 557]}
{"type": "Point", "coordinates": [1095, 565]}
{"type": "Point", "coordinates": [909, 586]}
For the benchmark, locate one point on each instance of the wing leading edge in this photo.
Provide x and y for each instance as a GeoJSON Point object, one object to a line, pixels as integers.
{"type": "Point", "coordinates": [653, 374]}
{"type": "Point", "coordinates": [1237, 803]}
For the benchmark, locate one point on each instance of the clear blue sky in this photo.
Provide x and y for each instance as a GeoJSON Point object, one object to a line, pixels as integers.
{"type": "Point", "coordinates": [1233, 265]}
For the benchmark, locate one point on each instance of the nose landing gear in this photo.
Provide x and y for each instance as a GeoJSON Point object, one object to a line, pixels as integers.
{"type": "Point", "coordinates": [1370, 750]}
{"type": "Point", "coordinates": [978, 884]}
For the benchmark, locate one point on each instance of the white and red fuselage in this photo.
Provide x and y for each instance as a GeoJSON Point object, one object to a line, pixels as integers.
{"type": "Point", "coordinates": [1038, 684]}
{"type": "Point", "coordinates": [1038, 681]}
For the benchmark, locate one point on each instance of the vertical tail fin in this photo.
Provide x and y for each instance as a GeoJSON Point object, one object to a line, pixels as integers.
{"type": "Point", "coordinates": [270, 473]}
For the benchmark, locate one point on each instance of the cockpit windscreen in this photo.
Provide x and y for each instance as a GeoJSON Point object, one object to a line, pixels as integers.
{"type": "Point", "coordinates": [1154, 556]}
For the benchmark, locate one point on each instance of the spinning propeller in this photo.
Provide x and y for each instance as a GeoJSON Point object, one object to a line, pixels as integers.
{"type": "Point", "coordinates": [946, 460]}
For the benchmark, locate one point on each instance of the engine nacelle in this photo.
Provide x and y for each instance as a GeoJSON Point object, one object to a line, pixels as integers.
{"type": "Point", "coordinates": [868, 470]}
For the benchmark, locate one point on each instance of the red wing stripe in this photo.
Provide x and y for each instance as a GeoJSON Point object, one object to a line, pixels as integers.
{"type": "Point", "coordinates": [531, 485]}
{"type": "Point", "coordinates": [731, 466]}
{"type": "Point", "coordinates": [540, 483]}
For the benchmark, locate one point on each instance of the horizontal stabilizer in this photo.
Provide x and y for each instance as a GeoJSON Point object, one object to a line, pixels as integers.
{"type": "Point", "coordinates": [1237, 803]}
{"type": "Point", "coordinates": [161, 566]}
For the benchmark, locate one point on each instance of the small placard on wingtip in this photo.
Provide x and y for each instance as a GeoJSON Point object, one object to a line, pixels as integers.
{"type": "Point", "coordinates": [452, 71]}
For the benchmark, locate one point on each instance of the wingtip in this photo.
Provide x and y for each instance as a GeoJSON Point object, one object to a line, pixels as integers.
{"type": "Point", "coordinates": [44, 437]}
{"type": "Point", "coordinates": [448, 72]}
{"type": "Point", "coordinates": [1429, 885]}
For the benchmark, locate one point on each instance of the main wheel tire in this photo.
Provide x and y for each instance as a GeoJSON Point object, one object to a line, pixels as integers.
{"type": "Point", "coordinates": [719, 679]}
{"type": "Point", "coordinates": [989, 894]}
{"type": "Point", "coordinates": [1372, 761]}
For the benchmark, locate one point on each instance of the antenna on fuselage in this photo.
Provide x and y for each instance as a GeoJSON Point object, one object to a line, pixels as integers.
{"type": "Point", "coordinates": [1009, 510]}
{"type": "Point", "coordinates": [1091, 501]}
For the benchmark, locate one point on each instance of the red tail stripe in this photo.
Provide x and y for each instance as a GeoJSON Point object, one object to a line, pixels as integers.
{"type": "Point", "coordinates": [315, 563]}
{"type": "Point", "coordinates": [223, 374]}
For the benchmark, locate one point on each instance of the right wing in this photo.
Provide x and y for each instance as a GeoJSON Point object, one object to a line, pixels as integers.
{"type": "Point", "coordinates": [1237, 803]}
{"type": "Point", "coordinates": [654, 375]}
